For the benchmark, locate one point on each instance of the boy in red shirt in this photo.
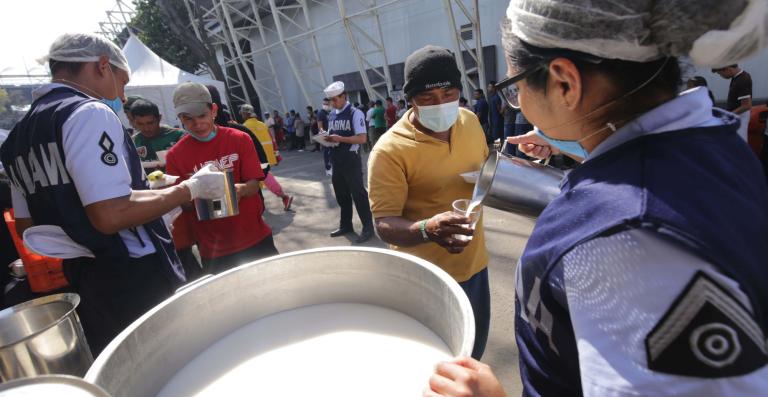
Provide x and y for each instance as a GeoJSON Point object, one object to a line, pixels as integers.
{"type": "Point", "coordinates": [227, 242]}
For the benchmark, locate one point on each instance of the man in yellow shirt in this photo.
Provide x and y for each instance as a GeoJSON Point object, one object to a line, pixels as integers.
{"type": "Point", "coordinates": [261, 132]}
{"type": "Point", "coordinates": [414, 177]}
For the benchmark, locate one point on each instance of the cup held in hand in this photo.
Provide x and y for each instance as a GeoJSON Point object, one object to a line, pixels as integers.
{"type": "Point", "coordinates": [472, 211]}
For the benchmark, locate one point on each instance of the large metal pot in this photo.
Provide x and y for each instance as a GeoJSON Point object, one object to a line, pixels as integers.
{"type": "Point", "coordinates": [515, 185]}
{"type": "Point", "coordinates": [43, 336]}
{"type": "Point", "coordinates": [144, 357]}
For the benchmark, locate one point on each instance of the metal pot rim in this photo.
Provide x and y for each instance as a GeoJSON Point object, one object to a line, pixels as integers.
{"type": "Point", "coordinates": [68, 297]}
{"type": "Point", "coordinates": [469, 327]}
{"type": "Point", "coordinates": [91, 388]}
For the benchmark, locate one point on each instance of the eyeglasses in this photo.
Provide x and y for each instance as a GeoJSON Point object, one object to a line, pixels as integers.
{"type": "Point", "coordinates": [508, 90]}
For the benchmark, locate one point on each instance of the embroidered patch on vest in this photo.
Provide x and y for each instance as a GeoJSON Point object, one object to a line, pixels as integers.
{"type": "Point", "coordinates": [706, 333]}
{"type": "Point", "coordinates": [108, 157]}
{"type": "Point", "coordinates": [142, 151]}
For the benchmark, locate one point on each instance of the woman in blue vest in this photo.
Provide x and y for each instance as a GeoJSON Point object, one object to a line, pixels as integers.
{"type": "Point", "coordinates": [647, 275]}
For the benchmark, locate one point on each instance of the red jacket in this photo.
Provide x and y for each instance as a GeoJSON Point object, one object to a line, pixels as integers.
{"type": "Point", "coordinates": [391, 115]}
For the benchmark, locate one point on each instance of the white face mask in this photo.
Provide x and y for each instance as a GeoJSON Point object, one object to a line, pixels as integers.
{"type": "Point", "coordinates": [327, 108]}
{"type": "Point", "coordinates": [439, 118]}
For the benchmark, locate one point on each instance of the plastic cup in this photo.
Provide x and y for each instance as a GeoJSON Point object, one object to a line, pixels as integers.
{"type": "Point", "coordinates": [460, 207]}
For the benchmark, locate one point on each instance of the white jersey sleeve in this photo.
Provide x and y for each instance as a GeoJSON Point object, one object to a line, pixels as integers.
{"type": "Point", "coordinates": [20, 209]}
{"type": "Point", "coordinates": [94, 149]}
{"type": "Point", "coordinates": [633, 297]}
{"type": "Point", "coordinates": [95, 153]}
{"type": "Point", "coordinates": [358, 121]}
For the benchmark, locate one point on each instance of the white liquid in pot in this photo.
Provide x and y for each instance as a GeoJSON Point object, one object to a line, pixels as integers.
{"type": "Point", "coordinates": [340, 349]}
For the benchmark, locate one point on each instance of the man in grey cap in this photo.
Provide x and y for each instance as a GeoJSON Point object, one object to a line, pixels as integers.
{"type": "Point", "coordinates": [227, 242]}
{"type": "Point", "coordinates": [346, 126]}
{"type": "Point", "coordinates": [72, 166]}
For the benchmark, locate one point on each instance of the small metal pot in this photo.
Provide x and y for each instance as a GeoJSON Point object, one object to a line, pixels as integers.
{"type": "Point", "coordinates": [221, 207]}
{"type": "Point", "coordinates": [515, 185]}
{"type": "Point", "coordinates": [43, 336]}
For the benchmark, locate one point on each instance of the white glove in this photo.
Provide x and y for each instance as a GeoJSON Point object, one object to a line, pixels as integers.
{"type": "Point", "coordinates": [207, 183]}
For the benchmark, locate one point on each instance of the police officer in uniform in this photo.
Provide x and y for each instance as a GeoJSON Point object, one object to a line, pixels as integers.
{"type": "Point", "coordinates": [646, 275]}
{"type": "Point", "coordinates": [72, 165]}
{"type": "Point", "coordinates": [346, 126]}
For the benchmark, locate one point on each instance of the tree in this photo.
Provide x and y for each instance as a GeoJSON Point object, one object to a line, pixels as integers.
{"type": "Point", "coordinates": [172, 9]}
{"type": "Point", "coordinates": [163, 25]}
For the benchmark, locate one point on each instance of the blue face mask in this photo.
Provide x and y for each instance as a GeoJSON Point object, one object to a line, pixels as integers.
{"type": "Point", "coordinates": [570, 147]}
{"type": "Point", "coordinates": [206, 139]}
{"type": "Point", "coordinates": [115, 104]}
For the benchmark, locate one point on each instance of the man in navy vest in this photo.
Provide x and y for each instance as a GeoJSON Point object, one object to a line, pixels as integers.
{"type": "Point", "coordinates": [73, 166]}
{"type": "Point", "coordinates": [346, 125]}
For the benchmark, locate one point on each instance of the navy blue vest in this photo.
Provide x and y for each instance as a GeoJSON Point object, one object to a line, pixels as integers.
{"type": "Point", "coordinates": [33, 156]}
{"type": "Point", "coordinates": [701, 188]}
{"type": "Point", "coordinates": [341, 124]}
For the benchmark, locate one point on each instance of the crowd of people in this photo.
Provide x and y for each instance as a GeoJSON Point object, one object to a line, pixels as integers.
{"type": "Point", "coordinates": [645, 276]}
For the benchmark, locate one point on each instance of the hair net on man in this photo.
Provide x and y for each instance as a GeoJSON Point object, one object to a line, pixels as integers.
{"type": "Point", "coordinates": [85, 47]}
{"type": "Point", "coordinates": [710, 32]}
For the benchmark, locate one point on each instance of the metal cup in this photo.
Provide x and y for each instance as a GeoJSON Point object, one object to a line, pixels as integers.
{"type": "Point", "coordinates": [221, 207]}
{"type": "Point", "coordinates": [515, 185]}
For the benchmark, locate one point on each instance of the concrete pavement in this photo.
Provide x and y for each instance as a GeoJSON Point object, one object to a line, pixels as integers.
{"type": "Point", "coordinates": [315, 214]}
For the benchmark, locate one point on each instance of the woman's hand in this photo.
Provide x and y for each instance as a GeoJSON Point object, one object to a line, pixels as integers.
{"type": "Point", "coordinates": [533, 145]}
{"type": "Point", "coordinates": [464, 377]}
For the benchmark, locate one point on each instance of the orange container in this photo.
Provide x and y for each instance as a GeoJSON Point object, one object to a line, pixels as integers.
{"type": "Point", "coordinates": [44, 273]}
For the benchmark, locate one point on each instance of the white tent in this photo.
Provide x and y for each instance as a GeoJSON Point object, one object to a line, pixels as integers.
{"type": "Point", "coordinates": [155, 79]}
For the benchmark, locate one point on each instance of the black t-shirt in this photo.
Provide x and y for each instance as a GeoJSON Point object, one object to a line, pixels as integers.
{"type": "Point", "coordinates": [740, 88]}
{"type": "Point", "coordinates": [322, 116]}
{"type": "Point", "coordinates": [481, 110]}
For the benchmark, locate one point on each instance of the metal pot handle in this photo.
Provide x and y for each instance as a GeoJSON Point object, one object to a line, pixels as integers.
{"type": "Point", "coordinates": [193, 283]}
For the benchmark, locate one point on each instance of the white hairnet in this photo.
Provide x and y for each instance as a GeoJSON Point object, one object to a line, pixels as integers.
{"type": "Point", "coordinates": [711, 32]}
{"type": "Point", "coordinates": [85, 47]}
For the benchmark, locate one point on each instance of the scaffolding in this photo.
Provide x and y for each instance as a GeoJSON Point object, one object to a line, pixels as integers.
{"type": "Point", "coordinates": [472, 15]}
{"type": "Point", "coordinates": [203, 17]}
{"type": "Point", "coordinates": [118, 18]}
{"type": "Point", "coordinates": [297, 14]}
{"type": "Point", "coordinates": [375, 44]}
{"type": "Point", "coordinates": [250, 34]}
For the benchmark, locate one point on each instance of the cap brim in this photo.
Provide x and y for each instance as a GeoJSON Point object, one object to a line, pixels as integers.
{"type": "Point", "coordinates": [193, 109]}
